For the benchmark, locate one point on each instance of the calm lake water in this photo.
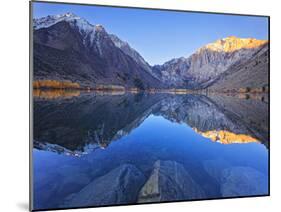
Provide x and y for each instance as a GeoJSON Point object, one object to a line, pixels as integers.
{"type": "Point", "coordinates": [93, 149]}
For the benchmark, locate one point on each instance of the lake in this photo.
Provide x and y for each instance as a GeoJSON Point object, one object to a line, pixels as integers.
{"type": "Point", "coordinates": [95, 148]}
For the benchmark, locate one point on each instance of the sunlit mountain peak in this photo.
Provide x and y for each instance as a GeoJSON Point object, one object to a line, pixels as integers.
{"type": "Point", "coordinates": [233, 43]}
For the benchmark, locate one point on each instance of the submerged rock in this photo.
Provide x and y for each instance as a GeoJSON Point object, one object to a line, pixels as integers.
{"type": "Point", "coordinates": [243, 181]}
{"type": "Point", "coordinates": [170, 181]}
{"type": "Point", "coordinates": [215, 168]}
{"type": "Point", "coordinates": [119, 186]}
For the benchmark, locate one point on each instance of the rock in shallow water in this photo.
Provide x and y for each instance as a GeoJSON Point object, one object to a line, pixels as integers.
{"type": "Point", "coordinates": [215, 168]}
{"type": "Point", "coordinates": [243, 181]}
{"type": "Point", "coordinates": [119, 186]}
{"type": "Point", "coordinates": [170, 181]}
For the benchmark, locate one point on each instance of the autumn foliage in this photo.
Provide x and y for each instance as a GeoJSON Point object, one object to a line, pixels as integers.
{"type": "Point", "coordinates": [55, 84]}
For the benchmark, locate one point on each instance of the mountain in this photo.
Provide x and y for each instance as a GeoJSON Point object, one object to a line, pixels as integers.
{"type": "Point", "coordinates": [251, 75]}
{"type": "Point", "coordinates": [125, 47]}
{"type": "Point", "coordinates": [69, 48]}
{"type": "Point", "coordinates": [206, 65]}
{"type": "Point", "coordinates": [70, 52]}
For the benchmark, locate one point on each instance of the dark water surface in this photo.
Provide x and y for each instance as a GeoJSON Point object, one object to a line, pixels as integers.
{"type": "Point", "coordinates": [94, 149]}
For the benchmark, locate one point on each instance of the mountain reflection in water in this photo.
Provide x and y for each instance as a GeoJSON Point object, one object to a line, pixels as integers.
{"type": "Point", "coordinates": [147, 148]}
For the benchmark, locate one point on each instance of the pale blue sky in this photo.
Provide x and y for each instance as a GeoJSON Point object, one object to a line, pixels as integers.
{"type": "Point", "coordinates": [162, 35]}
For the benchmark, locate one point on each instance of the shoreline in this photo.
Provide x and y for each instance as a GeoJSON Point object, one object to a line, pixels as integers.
{"type": "Point", "coordinates": [69, 85]}
{"type": "Point", "coordinates": [135, 90]}
{"type": "Point", "coordinates": [52, 93]}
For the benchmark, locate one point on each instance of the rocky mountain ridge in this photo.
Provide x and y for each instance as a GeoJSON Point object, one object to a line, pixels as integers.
{"type": "Point", "coordinates": [204, 67]}
{"type": "Point", "coordinates": [232, 43]}
{"type": "Point", "coordinates": [69, 48]}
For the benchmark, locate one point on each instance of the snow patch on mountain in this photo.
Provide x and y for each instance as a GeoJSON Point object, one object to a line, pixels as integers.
{"type": "Point", "coordinates": [86, 29]}
{"type": "Point", "coordinates": [90, 34]}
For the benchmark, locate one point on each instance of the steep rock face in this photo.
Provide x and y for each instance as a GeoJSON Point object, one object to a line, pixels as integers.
{"type": "Point", "coordinates": [67, 47]}
{"type": "Point", "coordinates": [127, 49]}
{"type": "Point", "coordinates": [251, 75]}
{"type": "Point", "coordinates": [119, 186]}
{"type": "Point", "coordinates": [170, 181]}
{"type": "Point", "coordinates": [232, 44]}
{"type": "Point", "coordinates": [204, 66]}
{"type": "Point", "coordinates": [172, 72]}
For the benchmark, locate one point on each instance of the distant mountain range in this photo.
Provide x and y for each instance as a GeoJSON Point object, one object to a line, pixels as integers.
{"type": "Point", "coordinates": [67, 48]}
